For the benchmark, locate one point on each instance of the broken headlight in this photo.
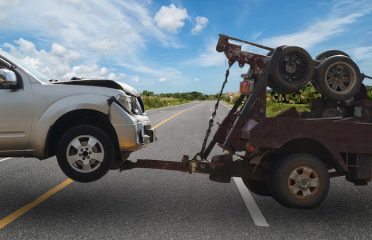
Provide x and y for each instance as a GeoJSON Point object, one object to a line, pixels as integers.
{"type": "Point", "coordinates": [131, 103]}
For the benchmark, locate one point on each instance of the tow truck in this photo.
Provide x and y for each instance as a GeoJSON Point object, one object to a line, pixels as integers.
{"type": "Point", "coordinates": [292, 156]}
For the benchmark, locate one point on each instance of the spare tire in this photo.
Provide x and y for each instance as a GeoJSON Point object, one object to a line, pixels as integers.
{"type": "Point", "coordinates": [293, 71]}
{"type": "Point", "coordinates": [276, 88]}
{"type": "Point", "coordinates": [338, 78]}
{"type": "Point", "coordinates": [272, 84]}
{"type": "Point", "coordinates": [324, 55]}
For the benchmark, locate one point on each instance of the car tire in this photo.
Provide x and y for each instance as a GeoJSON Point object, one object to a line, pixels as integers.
{"type": "Point", "coordinates": [293, 71]}
{"type": "Point", "coordinates": [338, 78]}
{"type": "Point", "coordinates": [324, 55]}
{"type": "Point", "coordinates": [85, 153]}
{"type": "Point", "coordinates": [299, 181]}
{"type": "Point", "coordinates": [257, 187]}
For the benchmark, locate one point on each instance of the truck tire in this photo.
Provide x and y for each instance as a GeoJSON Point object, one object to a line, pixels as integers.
{"type": "Point", "coordinates": [257, 187]}
{"type": "Point", "coordinates": [85, 153]}
{"type": "Point", "coordinates": [338, 78]}
{"type": "Point", "coordinates": [299, 181]}
{"type": "Point", "coordinates": [293, 71]}
{"type": "Point", "coordinates": [324, 55]}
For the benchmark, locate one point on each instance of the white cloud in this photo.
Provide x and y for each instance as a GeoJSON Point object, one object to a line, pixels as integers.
{"type": "Point", "coordinates": [201, 24]}
{"type": "Point", "coordinates": [58, 63]}
{"type": "Point", "coordinates": [136, 79]}
{"type": "Point", "coordinates": [81, 36]}
{"type": "Point", "coordinates": [362, 53]}
{"type": "Point", "coordinates": [208, 57]}
{"type": "Point", "coordinates": [170, 18]}
{"type": "Point", "coordinates": [255, 36]}
{"type": "Point", "coordinates": [163, 79]}
{"type": "Point", "coordinates": [104, 27]}
{"type": "Point", "coordinates": [315, 33]}
{"type": "Point", "coordinates": [196, 79]}
{"type": "Point", "coordinates": [153, 72]}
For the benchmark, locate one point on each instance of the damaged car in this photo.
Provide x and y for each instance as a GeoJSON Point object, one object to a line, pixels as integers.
{"type": "Point", "coordinates": [91, 126]}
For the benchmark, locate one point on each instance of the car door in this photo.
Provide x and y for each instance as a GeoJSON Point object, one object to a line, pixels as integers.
{"type": "Point", "coordinates": [15, 115]}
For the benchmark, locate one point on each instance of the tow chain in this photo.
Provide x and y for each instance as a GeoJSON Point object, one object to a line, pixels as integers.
{"type": "Point", "coordinates": [211, 121]}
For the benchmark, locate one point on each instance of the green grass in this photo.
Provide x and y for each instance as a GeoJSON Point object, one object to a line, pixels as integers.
{"type": "Point", "coordinates": [152, 102]}
{"type": "Point", "coordinates": [273, 109]}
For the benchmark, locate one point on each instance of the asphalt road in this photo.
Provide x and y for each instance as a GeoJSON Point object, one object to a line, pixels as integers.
{"type": "Point", "coordinates": [156, 204]}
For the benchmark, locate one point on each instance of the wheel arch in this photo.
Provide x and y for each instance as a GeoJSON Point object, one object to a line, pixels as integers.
{"type": "Point", "coordinates": [313, 147]}
{"type": "Point", "coordinates": [75, 118]}
{"type": "Point", "coordinates": [46, 119]}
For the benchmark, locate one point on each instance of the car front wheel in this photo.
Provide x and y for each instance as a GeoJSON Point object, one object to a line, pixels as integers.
{"type": "Point", "coordinates": [85, 153]}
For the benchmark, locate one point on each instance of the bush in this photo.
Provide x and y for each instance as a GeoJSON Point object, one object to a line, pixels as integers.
{"type": "Point", "coordinates": [151, 102]}
{"type": "Point", "coordinates": [304, 96]}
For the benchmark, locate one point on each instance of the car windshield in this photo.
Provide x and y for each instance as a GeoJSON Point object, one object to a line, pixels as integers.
{"type": "Point", "coordinates": [34, 72]}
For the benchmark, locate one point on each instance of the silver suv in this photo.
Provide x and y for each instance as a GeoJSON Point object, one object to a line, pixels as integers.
{"type": "Point", "coordinates": [90, 125]}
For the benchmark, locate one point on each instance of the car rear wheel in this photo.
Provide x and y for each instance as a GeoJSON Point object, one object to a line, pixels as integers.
{"type": "Point", "coordinates": [85, 153]}
{"type": "Point", "coordinates": [300, 181]}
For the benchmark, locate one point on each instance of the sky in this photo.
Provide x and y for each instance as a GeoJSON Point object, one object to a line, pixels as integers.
{"type": "Point", "coordinates": [169, 45]}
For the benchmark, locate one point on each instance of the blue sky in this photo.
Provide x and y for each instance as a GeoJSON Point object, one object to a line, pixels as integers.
{"type": "Point", "coordinates": [168, 46]}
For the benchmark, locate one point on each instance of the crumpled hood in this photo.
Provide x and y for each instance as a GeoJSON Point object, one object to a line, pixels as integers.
{"type": "Point", "coordinates": [103, 83]}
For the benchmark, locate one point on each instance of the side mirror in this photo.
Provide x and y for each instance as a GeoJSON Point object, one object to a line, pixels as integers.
{"type": "Point", "coordinates": [7, 78]}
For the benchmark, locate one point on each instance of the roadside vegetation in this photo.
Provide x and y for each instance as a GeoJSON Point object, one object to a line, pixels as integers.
{"type": "Point", "coordinates": [276, 103]}
{"type": "Point", "coordinates": [152, 100]}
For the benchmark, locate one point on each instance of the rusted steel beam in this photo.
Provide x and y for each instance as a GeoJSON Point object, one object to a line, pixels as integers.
{"type": "Point", "coordinates": [221, 165]}
{"type": "Point", "coordinates": [162, 165]}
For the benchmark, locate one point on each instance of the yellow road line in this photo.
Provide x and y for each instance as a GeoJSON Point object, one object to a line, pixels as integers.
{"type": "Point", "coordinates": [18, 213]}
{"type": "Point", "coordinates": [13, 216]}
{"type": "Point", "coordinates": [171, 117]}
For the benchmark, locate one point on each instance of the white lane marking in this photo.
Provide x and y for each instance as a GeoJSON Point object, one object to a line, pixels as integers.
{"type": "Point", "coordinates": [4, 159]}
{"type": "Point", "coordinates": [257, 216]}
{"type": "Point", "coordinates": [249, 201]}
{"type": "Point", "coordinates": [224, 104]}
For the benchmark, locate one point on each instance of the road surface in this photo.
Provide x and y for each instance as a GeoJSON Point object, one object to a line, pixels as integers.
{"type": "Point", "coordinates": [156, 204]}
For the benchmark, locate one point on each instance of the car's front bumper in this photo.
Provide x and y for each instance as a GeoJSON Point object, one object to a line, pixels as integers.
{"type": "Point", "coordinates": [133, 131]}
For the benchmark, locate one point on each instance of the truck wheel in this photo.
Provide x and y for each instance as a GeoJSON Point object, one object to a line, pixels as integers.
{"type": "Point", "coordinates": [85, 153]}
{"type": "Point", "coordinates": [257, 187]}
{"type": "Point", "coordinates": [300, 181]}
{"type": "Point", "coordinates": [324, 55]}
{"type": "Point", "coordinates": [338, 78]}
{"type": "Point", "coordinates": [293, 71]}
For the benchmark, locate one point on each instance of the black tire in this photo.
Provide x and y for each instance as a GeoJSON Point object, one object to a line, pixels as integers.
{"type": "Point", "coordinates": [276, 88]}
{"type": "Point", "coordinates": [98, 155]}
{"type": "Point", "coordinates": [336, 70]}
{"type": "Point", "coordinates": [293, 71]}
{"type": "Point", "coordinates": [324, 55]}
{"type": "Point", "coordinates": [257, 187]}
{"type": "Point", "coordinates": [294, 190]}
